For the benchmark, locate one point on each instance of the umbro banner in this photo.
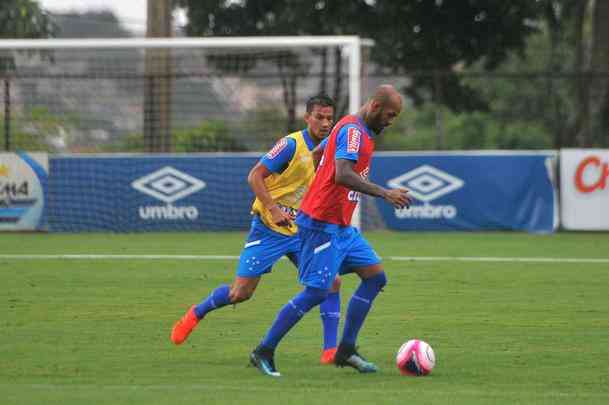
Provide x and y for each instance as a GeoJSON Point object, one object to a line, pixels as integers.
{"type": "Point", "coordinates": [150, 193]}
{"type": "Point", "coordinates": [584, 189]}
{"type": "Point", "coordinates": [470, 191]}
{"type": "Point", "coordinates": [23, 187]}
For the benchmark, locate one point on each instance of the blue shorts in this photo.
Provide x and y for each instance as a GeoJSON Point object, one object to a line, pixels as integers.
{"type": "Point", "coordinates": [263, 247]}
{"type": "Point", "coordinates": [324, 255]}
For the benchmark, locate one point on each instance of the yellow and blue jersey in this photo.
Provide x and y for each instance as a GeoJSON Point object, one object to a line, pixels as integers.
{"type": "Point", "coordinates": [291, 163]}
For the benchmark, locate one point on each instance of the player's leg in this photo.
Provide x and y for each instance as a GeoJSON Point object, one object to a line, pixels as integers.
{"type": "Point", "coordinates": [316, 272]}
{"type": "Point", "coordinates": [362, 260]}
{"type": "Point", "coordinates": [263, 356]}
{"type": "Point", "coordinates": [240, 290]}
{"type": "Point", "coordinates": [262, 249]}
{"type": "Point", "coordinates": [329, 311]}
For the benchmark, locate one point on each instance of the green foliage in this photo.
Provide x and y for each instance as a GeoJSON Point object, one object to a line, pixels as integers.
{"type": "Point", "coordinates": [416, 130]}
{"type": "Point", "coordinates": [539, 99]}
{"type": "Point", "coordinates": [209, 136]}
{"type": "Point", "coordinates": [22, 19]}
{"type": "Point", "coordinates": [37, 129]}
{"type": "Point", "coordinates": [434, 36]}
{"type": "Point", "coordinates": [265, 125]}
{"type": "Point", "coordinates": [410, 36]}
{"type": "Point", "coordinates": [133, 142]}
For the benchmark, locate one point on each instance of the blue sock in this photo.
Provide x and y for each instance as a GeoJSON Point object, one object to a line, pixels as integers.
{"type": "Point", "coordinates": [291, 313]}
{"type": "Point", "coordinates": [329, 310]}
{"type": "Point", "coordinates": [217, 299]}
{"type": "Point", "coordinates": [360, 304]}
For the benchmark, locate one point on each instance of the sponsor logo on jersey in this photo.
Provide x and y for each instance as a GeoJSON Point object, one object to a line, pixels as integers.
{"type": "Point", "coordinates": [353, 139]}
{"type": "Point", "coordinates": [276, 150]}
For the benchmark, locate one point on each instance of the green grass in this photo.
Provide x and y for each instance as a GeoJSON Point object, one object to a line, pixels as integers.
{"type": "Point", "coordinates": [96, 331]}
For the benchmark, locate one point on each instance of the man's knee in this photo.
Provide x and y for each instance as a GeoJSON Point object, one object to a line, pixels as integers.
{"type": "Point", "coordinates": [315, 296]}
{"type": "Point", "coordinates": [240, 294]}
{"type": "Point", "coordinates": [377, 281]}
{"type": "Point", "coordinates": [380, 279]}
{"type": "Point", "coordinates": [373, 273]}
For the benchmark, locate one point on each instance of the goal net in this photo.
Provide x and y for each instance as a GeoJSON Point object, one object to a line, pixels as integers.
{"type": "Point", "coordinates": [91, 104]}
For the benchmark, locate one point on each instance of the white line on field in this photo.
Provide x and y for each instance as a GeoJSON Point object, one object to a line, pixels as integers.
{"type": "Point", "coordinates": [120, 257]}
{"type": "Point", "coordinates": [392, 258]}
{"type": "Point", "coordinates": [499, 259]}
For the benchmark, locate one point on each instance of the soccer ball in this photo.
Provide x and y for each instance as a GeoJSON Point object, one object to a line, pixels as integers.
{"type": "Point", "coordinates": [415, 358]}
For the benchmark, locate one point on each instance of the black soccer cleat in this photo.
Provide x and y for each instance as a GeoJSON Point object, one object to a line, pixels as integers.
{"type": "Point", "coordinates": [346, 355]}
{"type": "Point", "coordinates": [263, 359]}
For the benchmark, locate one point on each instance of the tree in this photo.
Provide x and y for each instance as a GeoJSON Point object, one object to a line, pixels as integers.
{"type": "Point", "coordinates": [19, 19]}
{"type": "Point", "coordinates": [560, 80]}
{"type": "Point", "coordinates": [415, 36]}
{"type": "Point", "coordinates": [24, 19]}
{"type": "Point", "coordinates": [300, 17]}
{"type": "Point", "coordinates": [593, 91]}
{"type": "Point", "coordinates": [431, 38]}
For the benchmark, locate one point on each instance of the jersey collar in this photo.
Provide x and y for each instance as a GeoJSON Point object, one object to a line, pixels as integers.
{"type": "Point", "coordinates": [308, 140]}
{"type": "Point", "coordinates": [370, 132]}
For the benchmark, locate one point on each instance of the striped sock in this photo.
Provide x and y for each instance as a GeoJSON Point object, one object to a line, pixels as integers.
{"type": "Point", "coordinates": [217, 299]}
{"type": "Point", "coordinates": [329, 310]}
{"type": "Point", "coordinates": [359, 306]}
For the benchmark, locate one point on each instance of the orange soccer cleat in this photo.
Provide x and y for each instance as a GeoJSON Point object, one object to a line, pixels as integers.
{"type": "Point", "coordinates": [184, 326]}
{"type": "Point", "coordinates": [327, 356]}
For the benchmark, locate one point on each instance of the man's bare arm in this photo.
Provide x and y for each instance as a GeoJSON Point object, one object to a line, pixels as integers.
{"type": "Point", "coordinates": [347, 177]}
{"type": "Point", "coordinates": [255, 179]}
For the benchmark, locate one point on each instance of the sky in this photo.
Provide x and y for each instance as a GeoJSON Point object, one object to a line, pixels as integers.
{"type": "Point", "coordinates": [131, 13]}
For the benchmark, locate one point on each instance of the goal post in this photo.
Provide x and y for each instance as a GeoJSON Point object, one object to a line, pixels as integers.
{"type": "Point", "coordinates": [352, 44]}
{"type": "Point", "coordinates": [80, 98]}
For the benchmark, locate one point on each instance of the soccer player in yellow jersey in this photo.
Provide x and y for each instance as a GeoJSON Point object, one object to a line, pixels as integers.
{"type": "Point", "coordinates": [279, 181]}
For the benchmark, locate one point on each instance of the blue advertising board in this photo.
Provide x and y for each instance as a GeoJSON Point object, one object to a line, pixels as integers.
{"type": "Point", "coordinates": [150, 193]}
{"type": "Point", "coordinates": [470, 191]}
{"type": "Point", "coordinates": [451, 191]}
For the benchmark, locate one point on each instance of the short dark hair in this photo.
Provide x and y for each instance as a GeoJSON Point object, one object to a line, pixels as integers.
{"type": "Point", "coordinates": [320, 100]}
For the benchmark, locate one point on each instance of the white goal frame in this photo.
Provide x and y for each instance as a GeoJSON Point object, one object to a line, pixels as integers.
{"type": "Point", "coordinates": [353, 45]}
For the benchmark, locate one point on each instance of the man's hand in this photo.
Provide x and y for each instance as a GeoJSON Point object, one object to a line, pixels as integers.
{"type": "Point", "coordinates": [398, 197]}
{"type": "Point", "coordinates": [280, 217]}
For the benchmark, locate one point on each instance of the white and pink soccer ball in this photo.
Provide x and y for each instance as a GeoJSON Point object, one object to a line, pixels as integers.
{"type": "Point", "coordinates": [415, 358]}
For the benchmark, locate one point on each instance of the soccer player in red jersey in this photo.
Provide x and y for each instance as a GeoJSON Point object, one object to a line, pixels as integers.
{"type": "Point", "coordinates": [279, 181]}
{"type": "Point", "coordinates": [329, 244]}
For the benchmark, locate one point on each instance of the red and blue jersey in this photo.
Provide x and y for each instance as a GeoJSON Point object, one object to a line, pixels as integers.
{"type": "Point", "coordinates": [326, 204]}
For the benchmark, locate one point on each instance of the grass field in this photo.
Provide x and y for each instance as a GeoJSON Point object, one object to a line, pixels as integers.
{"type": "Point", "coordinates": [96, 329]}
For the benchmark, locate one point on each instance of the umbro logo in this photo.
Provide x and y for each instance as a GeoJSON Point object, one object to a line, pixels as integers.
{"type": "Point", "coordinates": [168, 184]}
{"type": "Point", "coordinates": [426, 183]}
